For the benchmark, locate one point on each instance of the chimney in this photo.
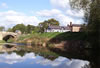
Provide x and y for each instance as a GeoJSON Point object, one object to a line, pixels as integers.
{"type": "Point", "coordinates": [70, 23]}
{"type": "Point", "coordinates": [71, 26]}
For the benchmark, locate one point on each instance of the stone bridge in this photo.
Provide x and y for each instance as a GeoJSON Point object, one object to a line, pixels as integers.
{"type": "Point", "coordinates": [7, 34]}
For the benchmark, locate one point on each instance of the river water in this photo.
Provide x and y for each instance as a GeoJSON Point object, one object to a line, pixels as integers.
{"type": "Point", "coordinates": [32, 60]}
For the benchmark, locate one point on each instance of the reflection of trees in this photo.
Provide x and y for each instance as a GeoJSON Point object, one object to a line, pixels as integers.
{"type": "Point", "coordinates": [21, 53]}
{"type": "Point", "coordinates": [95, 59]}
{"type": "Point", "coordinates": [45, 52]}
{"type": "Point", "coordinates": [41, 51]}
{"type": "Point", "coordinates": [90, 55]}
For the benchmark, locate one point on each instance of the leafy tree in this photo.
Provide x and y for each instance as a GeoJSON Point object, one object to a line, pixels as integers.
{"type": "Point", "coordinates": [2, 28]}
{"type": "Point", "coordinates": [53, 22]}
{"type": "Point", "coordinates": [20, 27]}
{"type": "Point", "coordinates": [92, 16]}
{"type": "Point", "coordinates": [36, 29]}
{"type": "Point", "coordinates": [44, 25]}
{"type": "Point", "coordinates": [9, 30]}
{"type": "Point", "coordinates": [29, 28]}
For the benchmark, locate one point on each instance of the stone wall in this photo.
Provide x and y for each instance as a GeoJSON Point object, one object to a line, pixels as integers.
{"type": "Point", "coordinates": [3, 34]}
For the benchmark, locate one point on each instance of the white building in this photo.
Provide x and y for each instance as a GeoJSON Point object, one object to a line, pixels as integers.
{"type": "Point", "coordinates": [57, 29]}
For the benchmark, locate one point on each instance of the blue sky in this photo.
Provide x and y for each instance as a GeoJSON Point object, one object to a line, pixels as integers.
{"type": "Point", "coordinates": [32, 12]}
{"type": "Point", "coordinates": [26, 5]}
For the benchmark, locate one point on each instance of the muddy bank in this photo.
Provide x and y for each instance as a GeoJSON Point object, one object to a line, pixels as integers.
{"type": "Point", "coordinates": [70, 46]}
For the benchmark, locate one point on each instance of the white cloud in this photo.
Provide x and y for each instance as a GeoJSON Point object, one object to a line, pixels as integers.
{"type": "Point", "coordinates": [3, 5]}
{"type": "Point", "coordinates": [62, 13]}
{"type": "Point", "coordinates": [63, 17]}
{"type": "Point", "coordinates": [14, 58]}
{"type": "Point", "coordinates": [48, 13]}
{"type": "Point", "coordinates": [12, 18]}
{"type": "Point", "coordinates": [67, 14]}
{"type": "Point", "coordinates": [72, 64]}
{"type": "Point", "coordinates": [78, 14]}
{"type": "Point", "coordinates": [60, 3]}
{"type": "Point", "coordinates": [62, 62]}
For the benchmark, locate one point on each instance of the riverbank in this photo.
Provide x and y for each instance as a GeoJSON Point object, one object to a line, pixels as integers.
{"type": "Point", "coordinates": [68, 41]}
{"type": "Point", "coordinates": [64, 41]}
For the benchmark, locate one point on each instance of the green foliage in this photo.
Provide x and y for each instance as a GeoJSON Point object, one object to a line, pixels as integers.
{"type": "Point", "coordinates": [53, 22]}
{"type": "Point", "coordinates": [29, 28]}
{"type": "Point", "coordinates": [44, 25]}
{"type": "Point", "coordinates": [20, 27]}
{"type": "Point", "coordinates": [24, 29]}
{"type": "Point", "coordinates": [10, 30]}
{"type": "Point", "coordinates": [92, 15]}
{"type": "Point", "coordinates": [2, 41]}
{"type": "Point", "coordinates": [70, 36]}
{"type": "Point", "coordinates": [11, 40]}
{"type": "Point", "coordinates": [50, 35]}
{"type": "Point", "coordinates": [80, 4]}
{"type": "Point", "coordinates": [36, 30]}
{"type": "Point", "coordinates": [2, 28]}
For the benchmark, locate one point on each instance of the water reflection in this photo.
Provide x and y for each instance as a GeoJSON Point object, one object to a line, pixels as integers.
{"type": "Point", "coordinates": [30, 60]}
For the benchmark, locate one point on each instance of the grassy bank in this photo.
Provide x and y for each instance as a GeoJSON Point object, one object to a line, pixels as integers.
{"type": "Point", "coordinates": [69, 36]}
{"type": "Point", "coordinates": [2, 41]}
{"type": "Point", "coordinates": [42, 38]}
{"type": "Point", "coordinates": [41, 35]}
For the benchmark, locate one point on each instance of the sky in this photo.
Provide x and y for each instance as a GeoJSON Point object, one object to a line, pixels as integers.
{"type": "Point", "coordinates": [33, 12]}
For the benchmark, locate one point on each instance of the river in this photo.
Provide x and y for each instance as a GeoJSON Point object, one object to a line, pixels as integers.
{"type": "Point", "coordinates": [31, 60]}
{"type": "Point", "coordinates": [41, 57]}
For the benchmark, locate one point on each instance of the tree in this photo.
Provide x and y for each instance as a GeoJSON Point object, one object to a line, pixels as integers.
{"type": "Point", "coordinates": [92, 16]}
{"type": "Point", "coordinates": [53, 22]}
{"type": "Point", "coordinates": [36, 29]}
{"type": "Point", "coordinates": [9, 30]}
{"type": "Point", "coordinates": [29, 28]}
{"type": "Point", "coordinates": [2, 28]}
{"type": "Point", "coordinates": [20, 27]}
{"type": "Point", "coordinates": [44, 25]}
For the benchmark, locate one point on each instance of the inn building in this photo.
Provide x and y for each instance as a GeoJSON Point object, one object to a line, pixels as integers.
{"type": "Point", "coordinates": [69, 28]}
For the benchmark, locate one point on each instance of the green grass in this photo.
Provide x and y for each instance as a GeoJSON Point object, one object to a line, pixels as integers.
{"type": "Point", "coordinates": [38, 35]}
{"type": "Point", "coordinates": [2, 41]}
{"type": "Point", "coordinates": [54, 36]}
{"type": "Point", "coordinates": [50, 35]}
{"type": "Point", "coordinates": [69, 36]}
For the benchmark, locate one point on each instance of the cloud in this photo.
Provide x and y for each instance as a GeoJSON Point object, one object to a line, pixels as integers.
{"type": "Point", "coordinates": [73, 64]}
{"type": "Point", "coordinates": [48, 13]}
{"type": "Point", "coordinates": [63, 17]}
{"type": "Point", "coordinates": [14, 58]}
{"type": "Point", "coordinates": [60, 3]}
{"type": "Point", "coordinates": [12, 18]}
{"type": "Point", "coordinates": [62, 62]}
{"type": "Point", "coordinates": [3, 5]}
{"type": "Point", "coordinates": [62, 12]}
{"type": "Point", "coordinates": [77, 14]}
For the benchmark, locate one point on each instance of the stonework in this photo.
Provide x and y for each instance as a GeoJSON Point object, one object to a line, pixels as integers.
{"type": "Point", "coordinates": [3, 34]}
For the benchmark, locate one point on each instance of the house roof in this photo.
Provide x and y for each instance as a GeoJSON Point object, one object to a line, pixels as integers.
{"type": "Point", "coordinates": [78, 25]}
{"type": "Point", "coordinates": [59, 27]}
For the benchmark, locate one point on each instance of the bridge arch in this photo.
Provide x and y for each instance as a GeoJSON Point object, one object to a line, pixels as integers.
{"type": "Point", "coordinates": [7, 35]}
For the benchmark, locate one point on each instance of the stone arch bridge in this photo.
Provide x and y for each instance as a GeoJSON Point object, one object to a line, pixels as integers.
{"type": "Point", "coordinates": [8, 35]}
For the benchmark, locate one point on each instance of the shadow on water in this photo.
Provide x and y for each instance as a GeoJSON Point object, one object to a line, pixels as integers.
{"type": "Point", "coordinates": [89, 55]}
{"type": "Point", "coordinates": [75, 47]}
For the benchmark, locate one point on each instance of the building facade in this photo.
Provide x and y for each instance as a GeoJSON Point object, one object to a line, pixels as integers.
{"type": "Point", "coordinates": [57, 29]}
{"type": "Point", "coordinates": [75, 27]}
{"type": "Point", "coordinates": [71, 27]}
